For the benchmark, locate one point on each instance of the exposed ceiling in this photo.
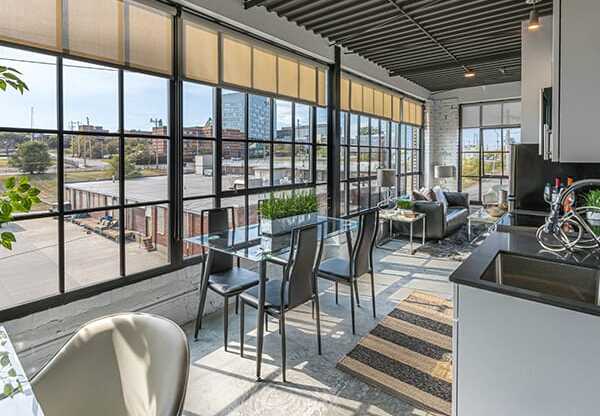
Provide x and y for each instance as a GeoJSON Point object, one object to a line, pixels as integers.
{"type": "Point", "coordinates": [430, 42]}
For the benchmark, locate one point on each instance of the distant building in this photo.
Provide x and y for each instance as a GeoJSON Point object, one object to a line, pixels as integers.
{"type": "Point", "coordinates": [259, 110]}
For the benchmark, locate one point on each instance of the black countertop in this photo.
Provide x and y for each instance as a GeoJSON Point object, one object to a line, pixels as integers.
{"type": "Point", "coordinates": [524, 244]}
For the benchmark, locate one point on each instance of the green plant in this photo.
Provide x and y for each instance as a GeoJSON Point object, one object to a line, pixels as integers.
{"type": "Point", "coordinates": [288, 206]}
{"type": "Point", "coordinates": [592, 198]}
{"type": "Point", "coordinates": [404, 204]}
{"type": "Point", "coordinates": [131, 170]}
{"type": "Point", "coordinates": [32, 157]}
{"type": "Point", "coordinates": [9, 77]}
{"type": "Point", "coordinates": [18, 196]}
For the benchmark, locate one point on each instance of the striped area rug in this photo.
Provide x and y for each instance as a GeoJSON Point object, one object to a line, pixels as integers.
{"type": "Point", "coordinates": [409, 353]}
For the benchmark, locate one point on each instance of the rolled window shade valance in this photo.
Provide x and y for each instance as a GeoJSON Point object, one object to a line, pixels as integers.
{"type": "Point", "coordinates": [129, 33]}
{"type": "Point", "coordinates": [345, 94]}
{"type": "Point", "coordinates": [201, 52]}
{"type": "Point", "coordinates": [36, 23]}
{"type": "Point", "coordinates": [149, 38]}
{"type": "Point", "coordinates": [237, 59]}
{"type": "Point", "coordinates": [356, 96]}
{"type": "Point", "coordinates": [85, 37]}
{"type": "Point", "coordinates": [308, 83]}
{"type": "Point", "coordinates": [321, 87]}
{"type": "Point", "coordinates": [264, 70]}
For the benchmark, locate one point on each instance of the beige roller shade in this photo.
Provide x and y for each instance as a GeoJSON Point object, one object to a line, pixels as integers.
{"type": "Point", "coordinates": [345, 94]}
{"type": "Point", "coordinates": [396, 108]}
{"type": "Point", "coordinates": [201, 53]}
{"type": "Point", "coordinates": [237, 57]}
{"type": "Point", "coordinates": [308, 83]}
{"type": "Point", "coordinates": [287, 81]}
{"type": "Point", "coordinates": [413, 113]}
{"type": "Point", "coordinates": [32, 23]}
{"type": "Point", "coordinates": [322, 87]}
{"type": "Point", "coordinates": [378, 103]}
{"type": "Point", "coordinates": [356, 96]}
{"type": "Point", "coordinates": [368, 100]}
{"type": "Point", "coordinates": [419, 115]}
{"type": "Point", "coordinates": [95, 30]}
{"type": "Point", "coordinates": [405, 111]}
{"type": "Point", "coordinates": [149, 38]}
{"type": "Point", "coordinates": [387, 105]}
{"type": "Point", "coordinates": [264, 70]}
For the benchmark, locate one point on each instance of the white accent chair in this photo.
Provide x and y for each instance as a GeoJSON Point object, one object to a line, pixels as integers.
{"type": "Point", "coordinates": [130, 364]}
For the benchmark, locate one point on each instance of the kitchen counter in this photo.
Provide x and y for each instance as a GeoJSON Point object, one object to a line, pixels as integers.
{"type": "Point", "coordinates": [474, 271]}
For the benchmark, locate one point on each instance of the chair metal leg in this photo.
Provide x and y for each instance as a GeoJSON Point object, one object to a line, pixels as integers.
{"type": "Point", "coordinates": [336, 293]}
{"type": "Point", "coordinates": [225, 321]}
{"type": "Point", "coordinates": [352, 308]}
{"type": "Point", "coordinates": [237, 304]}
{"type": "Point", "coordinates": [316, 303]}
{"type": "Point", "coordinates": [201, 302]}
{"type": "Point", "coordinates": [373, 294]}
{"type": "Point", "coordinates": [283, 350]}
{"type": "Point", "coordinates": [242, 331]}
{"type": "Point", "coordinates": [266, 322]}
{"type": "Point", "coordinates": [355, 283]}
{"type": "Point", "coordinates": [313, 309]}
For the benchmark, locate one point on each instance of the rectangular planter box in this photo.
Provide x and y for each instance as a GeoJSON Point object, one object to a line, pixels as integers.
{"type": "Point", "coordinates": [286, 225]}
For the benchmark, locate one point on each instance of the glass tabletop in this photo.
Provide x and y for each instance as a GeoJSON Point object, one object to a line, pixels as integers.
{"type": "Point", "coordinates": [249, 242]}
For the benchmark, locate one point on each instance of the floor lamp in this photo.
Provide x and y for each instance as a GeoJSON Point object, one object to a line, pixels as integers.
{"type": "Point", "coordinates": [443, 172]}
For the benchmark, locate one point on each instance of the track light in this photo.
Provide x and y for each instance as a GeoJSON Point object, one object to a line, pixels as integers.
{"type": "Point", "coordinates": [534, 19]}
{"type": "Point", "coordinates": [469, 73]}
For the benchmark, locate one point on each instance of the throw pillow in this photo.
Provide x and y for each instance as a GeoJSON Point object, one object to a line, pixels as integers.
{"type": "Point", "coordinates": [418, 196]}
{"type": "Point", "coordinates": [441, 197]}
{"type": "Point", "coordinates": [428, 193]}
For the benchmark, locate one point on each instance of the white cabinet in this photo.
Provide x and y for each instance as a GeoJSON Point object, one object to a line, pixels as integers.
{"type": "Point", "coordinates": [518, 357]}
{"type": "Point", "coordinates": [576, 81]}
{"type": "Point", "coordinates": [536, 74]}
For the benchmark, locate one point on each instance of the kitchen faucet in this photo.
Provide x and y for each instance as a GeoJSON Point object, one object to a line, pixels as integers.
{"type": "Point", "coordinates": [571, 229]}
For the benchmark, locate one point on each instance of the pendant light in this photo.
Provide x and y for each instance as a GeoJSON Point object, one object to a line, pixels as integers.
{"type": "Point", "coordinates": [533, 23]}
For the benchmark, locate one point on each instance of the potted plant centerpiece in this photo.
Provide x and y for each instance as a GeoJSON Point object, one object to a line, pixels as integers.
{"type": "Point", "coordinates": [404, 207]}
{"type": "Point", "coordinates": [280, 215]}
{"type": "Point", "coordinates": [592, 202]}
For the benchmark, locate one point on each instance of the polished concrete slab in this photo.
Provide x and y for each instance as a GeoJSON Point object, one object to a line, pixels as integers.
{"type": "Point", "coordinates": [222, 383]}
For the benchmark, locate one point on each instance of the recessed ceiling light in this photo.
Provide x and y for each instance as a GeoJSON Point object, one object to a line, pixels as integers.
{"type": "Point", "coordinates": [469, 73]}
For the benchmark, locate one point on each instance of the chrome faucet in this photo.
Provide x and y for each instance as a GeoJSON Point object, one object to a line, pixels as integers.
{"type": "Point", "coordinates": [582, 235]}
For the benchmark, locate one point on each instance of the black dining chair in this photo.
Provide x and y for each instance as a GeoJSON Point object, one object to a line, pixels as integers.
{"type": "Point", "coordinates": [360, 262]}
{"type": "Point", "coordinates": [298, 285]}
{"type": "Point", "coordinates": [219, 273]}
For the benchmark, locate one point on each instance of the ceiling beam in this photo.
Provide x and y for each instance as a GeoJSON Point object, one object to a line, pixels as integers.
{"type": "Point", "coordinates": [469, 61]}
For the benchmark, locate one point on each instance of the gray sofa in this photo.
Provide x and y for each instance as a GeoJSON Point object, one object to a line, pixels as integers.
{"type": "Point", "coordinates": [438, 225]}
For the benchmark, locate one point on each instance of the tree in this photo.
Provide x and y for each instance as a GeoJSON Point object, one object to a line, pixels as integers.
{"type": "Point", "coordinates": [9, 77]}
{"type": "Point", "coordinates": [18, 196]}
{"type": "Point", "coordinates": [131, 170]}
{"type": "Point", "coordinates": [32, 157]}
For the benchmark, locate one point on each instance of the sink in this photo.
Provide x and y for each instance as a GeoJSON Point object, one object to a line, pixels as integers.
{"type": "Point", "coordinates": [552, 278]}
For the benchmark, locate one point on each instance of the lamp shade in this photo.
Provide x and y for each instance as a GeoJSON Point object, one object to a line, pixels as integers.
{"type": "Point", "coordinates": [386, 178]}
{"type": "Point", "coordinates": [441, 171]}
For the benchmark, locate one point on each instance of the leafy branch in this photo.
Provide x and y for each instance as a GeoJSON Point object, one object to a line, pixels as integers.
{"type": "Point", "coordinates": [19, 196]}
{"type": "Point", "coordinates": [10, 77]}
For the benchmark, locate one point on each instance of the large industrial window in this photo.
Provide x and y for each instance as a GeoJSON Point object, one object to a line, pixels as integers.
{"type": "Point", "coordinates": [487, 132]}
{"type": "Point", "coordinates": [369, 143]}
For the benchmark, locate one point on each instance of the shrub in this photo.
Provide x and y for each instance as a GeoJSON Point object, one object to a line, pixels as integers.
{"type": "Point", "coordinates": [592, 198]}
{"type": "Point", "coordinates": [288, 206]}
{"type": "Point", "coordinates": [404, 204]}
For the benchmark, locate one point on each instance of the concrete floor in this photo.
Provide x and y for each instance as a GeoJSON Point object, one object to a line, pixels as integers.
{"type": "Point", "coordinates": [222, 383]}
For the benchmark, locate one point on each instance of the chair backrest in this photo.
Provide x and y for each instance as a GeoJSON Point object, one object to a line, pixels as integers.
{"type": "Point", "coordinates": [362, 252]}
{"type": "Point", "coordinates": [305, 256]}
{"type": "Point", "coordinates": [121, 365]}
{"type": "Point", "coordinates": [218, 221]}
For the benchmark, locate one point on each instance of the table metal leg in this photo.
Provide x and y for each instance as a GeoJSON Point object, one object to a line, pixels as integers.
{"type": "Point", "coordinates": [411, 238]}
{"type": "Point", "coordinates": [260, 316]}
{"type": "Point", "coordinates": [424, 229]}
{"type": "Point", "coordinates": [469, 230]}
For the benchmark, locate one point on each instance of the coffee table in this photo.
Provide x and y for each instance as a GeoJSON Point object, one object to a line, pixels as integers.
{"type": "Point", "coordinates": [392, 215]}
{"type": "Point", "coordinates": [481, 217]}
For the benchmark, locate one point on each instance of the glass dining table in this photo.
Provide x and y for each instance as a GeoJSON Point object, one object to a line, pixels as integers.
{"type": "Point", "coordinates": [250, 243]}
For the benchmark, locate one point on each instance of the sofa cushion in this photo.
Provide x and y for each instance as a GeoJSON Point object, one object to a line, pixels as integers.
{"type": "Point", "coordinates": [440, 197]}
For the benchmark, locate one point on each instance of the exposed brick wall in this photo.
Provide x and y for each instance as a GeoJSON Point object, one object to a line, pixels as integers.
{"type": "Point", "coordinates": [441, 139]}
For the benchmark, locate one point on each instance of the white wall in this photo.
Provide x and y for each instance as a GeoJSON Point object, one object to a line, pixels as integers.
{"type": "Point", "coordinates": [260, 22]}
